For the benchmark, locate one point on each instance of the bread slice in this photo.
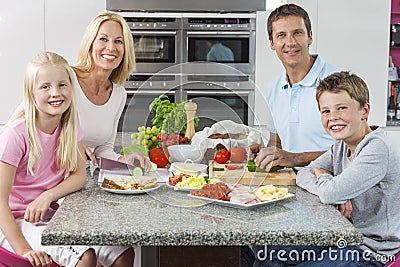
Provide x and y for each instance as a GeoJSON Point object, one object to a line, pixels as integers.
{"type": "Point", "coordinates": [145, 181]}
{"type": "Point", "coordinates": [113, 184]}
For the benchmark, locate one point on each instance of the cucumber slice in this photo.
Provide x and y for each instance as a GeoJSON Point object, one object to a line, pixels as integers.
{"type": "Point", "coordinates": [137, 171]}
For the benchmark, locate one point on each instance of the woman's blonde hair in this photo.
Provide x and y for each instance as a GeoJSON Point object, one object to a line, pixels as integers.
{"type": "Point", "coordinates": [67, 147]}
{"type": "Point", "coordinates": [85, 61]}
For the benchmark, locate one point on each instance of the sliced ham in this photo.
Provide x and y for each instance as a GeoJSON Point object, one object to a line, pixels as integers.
{"type": "Point", "coordinates": [242, 194]}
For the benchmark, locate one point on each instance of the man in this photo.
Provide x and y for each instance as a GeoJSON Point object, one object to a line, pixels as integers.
{"type": "Point", "coordinates": [298, 137]}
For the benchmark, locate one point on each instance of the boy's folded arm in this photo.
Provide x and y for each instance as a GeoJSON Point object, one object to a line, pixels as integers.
{"type": "Point", "coordinates": [306, 178]}
{"type": "Point", "coordinates": [364, 173]}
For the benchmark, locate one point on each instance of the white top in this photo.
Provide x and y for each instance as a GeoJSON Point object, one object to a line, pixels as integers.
{"type": "Point", "coordinates": [99, 122]}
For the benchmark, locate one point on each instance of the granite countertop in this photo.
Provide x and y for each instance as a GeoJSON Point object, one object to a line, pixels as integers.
{"type": "Point", "coordinates": [165, 217]}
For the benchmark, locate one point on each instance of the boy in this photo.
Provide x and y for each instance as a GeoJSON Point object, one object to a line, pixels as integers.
{"type": "Point", "coordinates": [362, 166]}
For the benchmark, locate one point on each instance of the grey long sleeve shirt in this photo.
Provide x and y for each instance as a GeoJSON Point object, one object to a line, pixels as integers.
{"type": "Point", "coordinates": [370, 178]}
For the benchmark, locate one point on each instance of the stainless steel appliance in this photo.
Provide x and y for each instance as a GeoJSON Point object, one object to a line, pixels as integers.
{"type": "Point", "coordinates": [175, 62]}
{"type": "Point", "coordinates": [220, 98]}
{"type": "Point", "coordinates": [187, 5]}
{"type": "Point", "coordinates": [156, 40]}
{"type": "Point", "coordinates": [228, 39]}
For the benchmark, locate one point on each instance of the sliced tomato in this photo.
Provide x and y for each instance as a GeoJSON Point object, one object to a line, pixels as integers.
{"type": "Point", "coordinates": [173, 180]}
{"type": "Point", "coordinates": [232, 166]}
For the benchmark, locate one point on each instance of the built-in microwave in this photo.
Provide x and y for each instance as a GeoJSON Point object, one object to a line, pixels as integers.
{"type": "Point", "coordinates": [230, 41]}
{"type": "Point", "coordinates": [156, 41]}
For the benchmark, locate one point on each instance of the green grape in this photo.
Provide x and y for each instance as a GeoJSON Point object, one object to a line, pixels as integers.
{"type": "Point", "coordinates": [154, 138]}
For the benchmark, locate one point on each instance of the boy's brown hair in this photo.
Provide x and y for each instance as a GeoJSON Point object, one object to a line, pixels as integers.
{"type": "Point", "coordinates": [285, 11]}
{"type": "Point", "coordinates": [344, 81]}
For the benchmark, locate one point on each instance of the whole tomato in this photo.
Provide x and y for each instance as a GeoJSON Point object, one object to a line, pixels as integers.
{"type": "Point", "coordinates": [158, 156]}
{"type": "Point", "coordinates": [221, 156]}
{"type": "Point", "coordinates": [238, 154]}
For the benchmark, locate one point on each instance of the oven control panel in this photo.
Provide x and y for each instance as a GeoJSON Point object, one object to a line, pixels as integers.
{"type": "Point", "coordinates": [227, 24]}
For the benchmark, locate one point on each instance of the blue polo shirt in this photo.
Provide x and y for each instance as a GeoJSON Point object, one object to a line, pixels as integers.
{"type": "Point", "coordinates": [295, 113]}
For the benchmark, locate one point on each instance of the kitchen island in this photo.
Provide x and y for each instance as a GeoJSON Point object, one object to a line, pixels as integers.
{"type": "Point", "coordinates": [169, 218]}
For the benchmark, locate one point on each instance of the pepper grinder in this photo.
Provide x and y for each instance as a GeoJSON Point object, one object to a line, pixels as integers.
{"type": "Point", "coordinates": [190, 109]}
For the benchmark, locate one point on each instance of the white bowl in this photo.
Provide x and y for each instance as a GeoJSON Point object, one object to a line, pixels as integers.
{"type": "Point", "coordinates": [188, 167]}
{"type": "Point", "coordinates": [180, 153]}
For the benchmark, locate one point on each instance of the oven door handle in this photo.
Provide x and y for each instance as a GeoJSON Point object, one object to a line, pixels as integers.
{"type": "Point", "coordinates": [154, 32]}
{"type": "Point", "coordinates": [148, 92]}
{"type": "Point", "coordinates": [219, 33]}
{"type": "Point", "coordinates": [201, 92]}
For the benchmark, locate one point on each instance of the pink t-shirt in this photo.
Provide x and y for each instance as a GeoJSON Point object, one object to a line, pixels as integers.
{"type": "Point", "coordinates": [14, 150]}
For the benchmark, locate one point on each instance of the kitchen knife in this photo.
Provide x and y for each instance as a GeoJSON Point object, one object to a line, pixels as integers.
{"type": "Point", "coordinates": [116, 166]}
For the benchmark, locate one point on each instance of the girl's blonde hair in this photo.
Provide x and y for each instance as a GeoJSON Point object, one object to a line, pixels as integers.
{"type": "Point", "coordinates": [67, 147]}
{"type": "Point", "coordinates": [121, 73]}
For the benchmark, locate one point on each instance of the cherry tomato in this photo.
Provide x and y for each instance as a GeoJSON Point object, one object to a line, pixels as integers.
{"type": "Point", "coordinates": [222, 156]}
{"type": "Point", "coordinates": [238, 154]}
{"type": "Point", "coordinates": [158, 156]}
{"type": "Point", "coordinates": [173, 180]}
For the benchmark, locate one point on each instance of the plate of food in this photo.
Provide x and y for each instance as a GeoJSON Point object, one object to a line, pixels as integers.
{"type": "Point", "coordinates": [240, 196]}
{"type": "Point", "coordinates": [129, 185]}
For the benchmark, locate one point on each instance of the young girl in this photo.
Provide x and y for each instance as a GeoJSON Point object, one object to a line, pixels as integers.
{"type": "Point", "coordinates": [38, 149]}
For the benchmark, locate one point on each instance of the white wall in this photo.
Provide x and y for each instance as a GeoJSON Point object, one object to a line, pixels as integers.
{"type": "Point", "coordinates": [29, 27]}
{"type": "Point", "coordinates": [358, 40]}
{"type": "Point", "coordinates": [22, 36]}
{"type": "Point", "coordinates": [65, 23]}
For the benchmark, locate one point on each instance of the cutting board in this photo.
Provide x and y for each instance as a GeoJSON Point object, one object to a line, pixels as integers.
{"type": "Point", "coordinates": [241, 175]}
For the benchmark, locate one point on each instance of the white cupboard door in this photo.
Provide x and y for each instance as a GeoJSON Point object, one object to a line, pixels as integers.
{"type": "Point", "coordinates": [268, 66]}
{"type": "Point", "coordinates": [22, 37]}
{"type": "Point", "coordinates": [354, 35]}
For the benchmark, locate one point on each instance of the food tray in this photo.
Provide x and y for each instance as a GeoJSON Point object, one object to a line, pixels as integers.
{"type": "Point", "coordinates": [240, 205]}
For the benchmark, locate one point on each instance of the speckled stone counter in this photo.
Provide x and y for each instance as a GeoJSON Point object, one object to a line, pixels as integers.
{"type": "Point", "coordinates": [165, 217]}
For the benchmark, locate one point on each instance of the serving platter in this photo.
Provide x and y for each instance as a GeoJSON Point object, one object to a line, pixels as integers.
{"type": "Point", "coordinates": [129, 192]}
{"type": "Point", "coordinates": [240, 205]}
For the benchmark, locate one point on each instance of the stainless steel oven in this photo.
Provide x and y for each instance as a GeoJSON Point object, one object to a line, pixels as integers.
{"type": "Point", "coordinates": [136, 111]}
{"type": "Point", "coordinates": [173, 55]}
{"type": "Point", "coordinates": [219, 98]}
{"type": "Point", "coordinates": [228, 39]}
{"type": "Point", "coordinates": [157, 41]}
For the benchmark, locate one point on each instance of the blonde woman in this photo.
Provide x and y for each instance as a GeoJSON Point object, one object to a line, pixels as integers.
{"type": "Point", "coordinates": [39, 148]}
{"type": "Point", "coordinates": [106, 58]}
